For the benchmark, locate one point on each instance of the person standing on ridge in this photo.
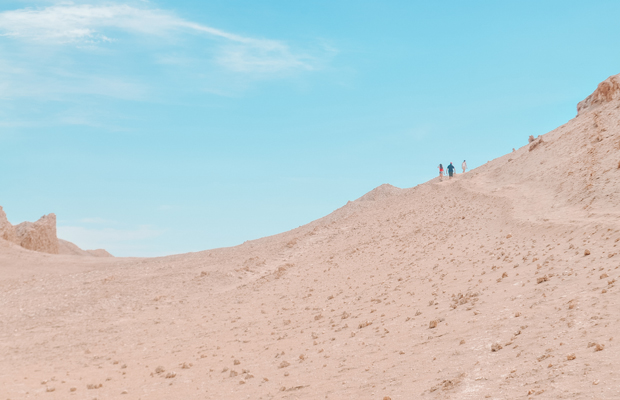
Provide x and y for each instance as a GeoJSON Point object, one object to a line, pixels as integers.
{"type": "Point", "coordinates": [440, 172]}
{"type": "Point", "coordinates": [464, 166]}
{"type": "Point", "coordinates": [450, 170]}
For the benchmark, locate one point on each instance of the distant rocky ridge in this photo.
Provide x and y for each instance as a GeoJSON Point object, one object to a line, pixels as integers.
{"type": "Point", "coordinates": [66, 247]}
{"type": "Point", "coordinates": [41, 236]}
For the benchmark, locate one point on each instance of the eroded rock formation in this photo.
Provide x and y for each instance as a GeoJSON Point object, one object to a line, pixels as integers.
{"type": "Point", "coordinates": [607, 91]}
{"type": "Point", "coordinates": [39, 235]}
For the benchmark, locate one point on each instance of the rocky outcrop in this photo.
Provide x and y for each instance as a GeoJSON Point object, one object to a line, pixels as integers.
{"type": "Point", "coordinates": [7, 231]}
{"type": "Point", "coordinates": [39, 235]}
{"type": "Point", "coordinates": [607, 91]}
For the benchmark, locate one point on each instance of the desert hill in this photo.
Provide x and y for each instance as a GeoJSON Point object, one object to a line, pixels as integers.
{"type": "Point", "coordinates": [499, 283]}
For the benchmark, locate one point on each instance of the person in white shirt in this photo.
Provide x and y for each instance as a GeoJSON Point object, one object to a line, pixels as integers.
{"type": "Point", "coordinates": [464, 166]}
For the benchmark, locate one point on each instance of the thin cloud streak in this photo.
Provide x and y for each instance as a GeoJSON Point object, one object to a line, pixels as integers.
{"type": "Point", "coordinates": [95, 24]}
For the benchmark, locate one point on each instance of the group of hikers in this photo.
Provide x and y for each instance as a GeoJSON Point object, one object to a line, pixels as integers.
{"type": "Point", "coordinates": [450, 169]}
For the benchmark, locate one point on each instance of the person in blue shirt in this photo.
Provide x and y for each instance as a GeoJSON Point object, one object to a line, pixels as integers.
{"type": "Point", "coordinates": [450, 169]}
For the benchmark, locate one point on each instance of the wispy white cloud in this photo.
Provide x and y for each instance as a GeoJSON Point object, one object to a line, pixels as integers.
{"type": "Point", "coordinates": [86, 24]}
{"type": "Point", "coordinates": [24, 78]}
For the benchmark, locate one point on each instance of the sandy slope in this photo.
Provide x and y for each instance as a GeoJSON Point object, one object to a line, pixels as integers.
{"type": "Point", "coordinates": [477, 287]}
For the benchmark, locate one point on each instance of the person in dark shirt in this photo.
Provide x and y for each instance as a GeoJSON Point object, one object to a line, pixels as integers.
{"type": "Point", "coordinates": [450, 169]}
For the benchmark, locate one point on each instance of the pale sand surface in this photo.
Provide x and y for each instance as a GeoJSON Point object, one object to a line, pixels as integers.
{"type": "Point", "coordinates": [341, 308]}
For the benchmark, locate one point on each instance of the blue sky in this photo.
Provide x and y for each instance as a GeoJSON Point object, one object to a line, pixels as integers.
{"type": "Point", "coordinates": [161, 127]}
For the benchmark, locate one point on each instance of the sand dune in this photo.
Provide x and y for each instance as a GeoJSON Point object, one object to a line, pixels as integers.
{"type": "Point", "coordinates": [499, 283]}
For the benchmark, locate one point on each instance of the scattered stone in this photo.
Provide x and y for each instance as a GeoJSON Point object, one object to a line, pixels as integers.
{"type": "Point", "coordinates": [284, 364]}
{"type": "Point", "coordinates": [535, 143]}
{"type": "Point", "coordinates": [496, 347]}
{"type": "Point", "coordinates": [94, 386]}
{"type": "Point", "coordinates": [571, 357]}
{"type": "Point", "coordinates": [586, 252]}
{"type": "Point", "coordinates": [432, 324]}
